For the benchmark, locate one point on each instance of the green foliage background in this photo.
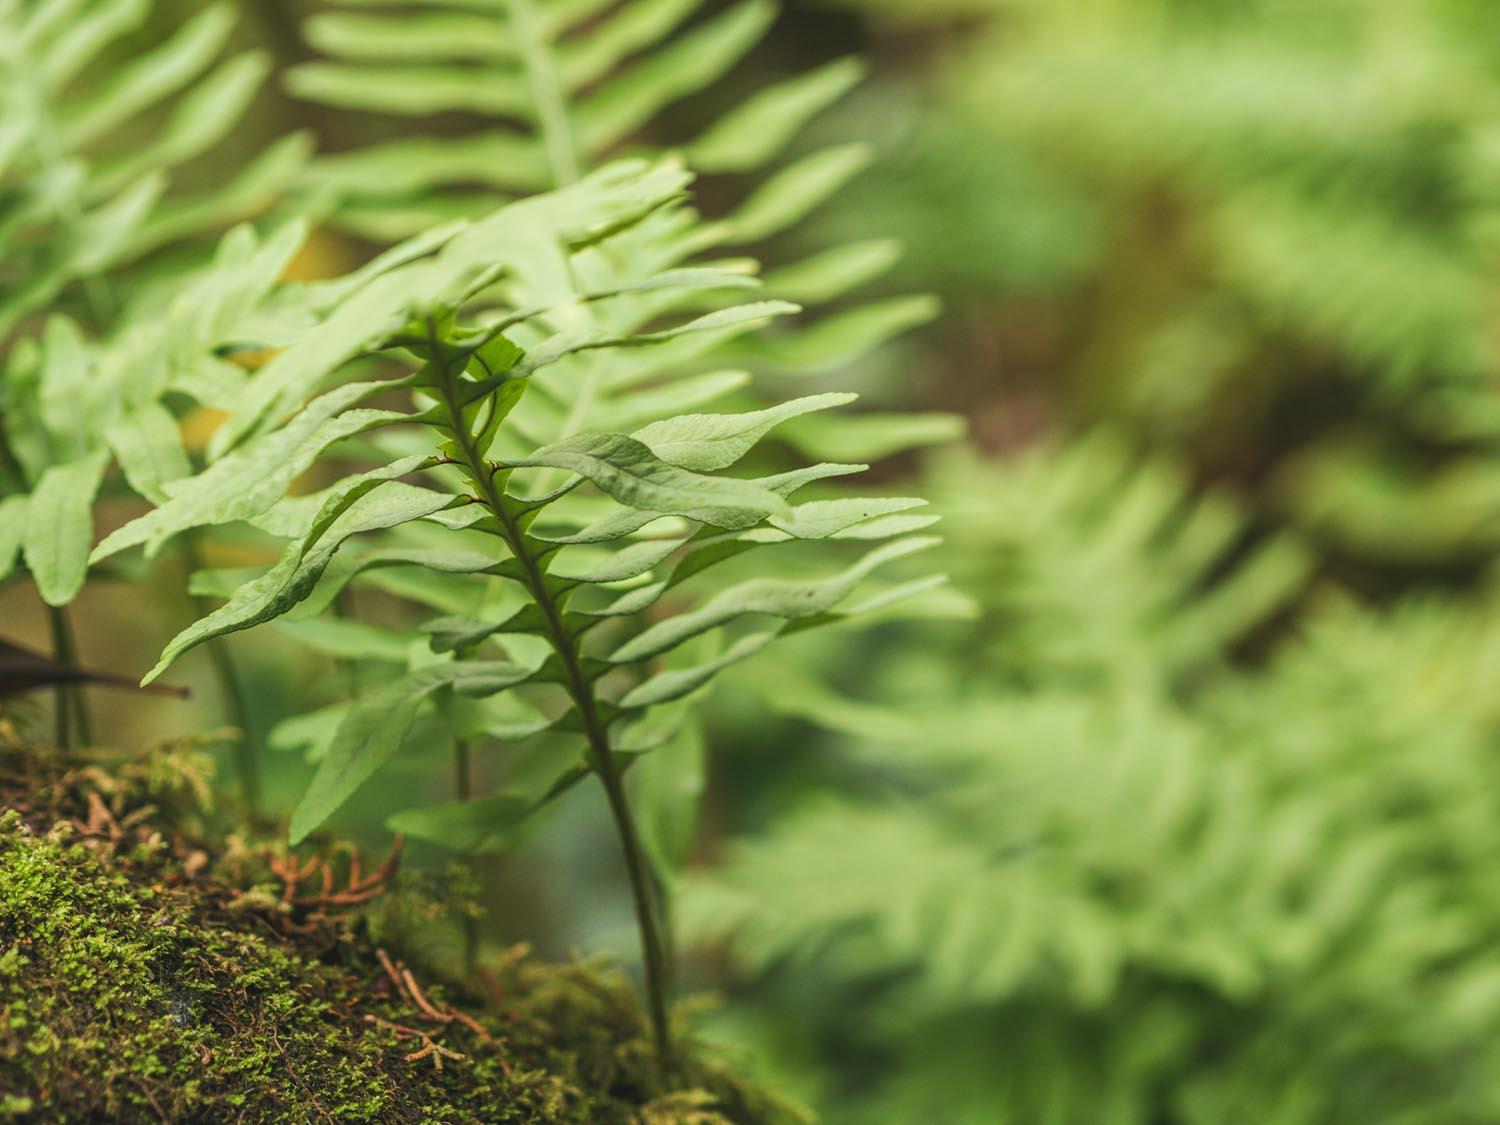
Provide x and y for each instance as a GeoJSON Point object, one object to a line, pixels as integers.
{"type": "Point", "coordinates": [1182, 803]}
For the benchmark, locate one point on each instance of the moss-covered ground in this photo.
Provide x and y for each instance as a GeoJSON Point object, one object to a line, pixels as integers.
{"type": "Point", "coordinates": [149, 973]}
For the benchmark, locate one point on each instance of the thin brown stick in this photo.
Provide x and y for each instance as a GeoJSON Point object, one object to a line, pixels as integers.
{"type": "Point", "coordinates": [390, 971]}
{"type": "Point", "coordinates": [422, 1001]}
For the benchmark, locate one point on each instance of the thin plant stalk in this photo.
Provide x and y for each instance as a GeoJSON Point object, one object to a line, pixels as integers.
{"type": "Point", "coordinates": [648, 915]}
{"type": "Point", "coordinates": [463, 788]}
{"type": "Point", "coordinates": [231, 692]}
{"type": "Point", "coordinates": [72, 708]}
{"type": "Point", "coordinates": [580, 690]}
{"type": "Point", "coordinates": [463, 778]}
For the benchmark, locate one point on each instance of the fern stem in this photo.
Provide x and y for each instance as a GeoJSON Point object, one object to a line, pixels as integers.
{"type": "Point", "coordinates": [231, 688]}
{"type": "Point", "coordinates": [463, 782]}
{"type": "Point", "coordinates": [72, 709]}
{"type": "Point", "coordinates": [580, 690]}
{"type": "Point", "coordinates": [637, 867]}
{"type": "Point", "coordinates": [463, 788]}
{"type": "Point", "coordinates": [547, 92]}
{"type": "Point", "coordinates": [647, 912]}
{"type": "Point", "coordinates": [231, 692]}
{"type": "Point", "coordinates": [345, 667]}
{"type": "Point", "coordinates": [63, 733]}
{"type": "Point", "coordinates": [550, 97]}
{"type": "Point", "coordinates": [62, 701]}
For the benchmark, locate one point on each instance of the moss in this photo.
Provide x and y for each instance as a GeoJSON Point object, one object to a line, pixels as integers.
{"type": "Point", "coordinates": [147, 977]}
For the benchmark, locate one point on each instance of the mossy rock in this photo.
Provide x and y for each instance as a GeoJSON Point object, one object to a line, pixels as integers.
{"type": "Point", "coordinates": [145, 976]}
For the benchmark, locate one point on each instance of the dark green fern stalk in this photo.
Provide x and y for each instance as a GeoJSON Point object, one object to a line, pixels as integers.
{"type": "Point", "coordinates": [231, 693]}
{"type": "Point", "coordinates": [530, 554]}
{"type": "Point", "coordinates": [72, 709]}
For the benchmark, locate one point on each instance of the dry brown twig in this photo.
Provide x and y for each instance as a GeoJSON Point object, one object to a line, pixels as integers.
{"type": "Point", "coordinates": [429, 1049]}
{"type": "Point", "coordinates": [101, 823]}
{"type": "Point", "coordinates": [422, 1002]}
{"type": "Point", "coordinates": [360, 888]}
{"type": "Point", "coordinates": [390, 970]}
{"type": "Point", "coordinates": [411, 994]}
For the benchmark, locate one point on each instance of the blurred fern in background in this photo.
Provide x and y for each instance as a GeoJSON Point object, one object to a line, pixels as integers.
{"type": "Point", "coordinates": [1082, 864]}
{"type": "Point", "coordinates": [1196, 823]}
{"type": "Point", "coordinates": [1262, 233]}
{"type": "Point", "coordinates": [93, 138]}
{"type": "Point", "coordinates": [541, 91]}
{"type": "Point", "coordinates": [88, 150]}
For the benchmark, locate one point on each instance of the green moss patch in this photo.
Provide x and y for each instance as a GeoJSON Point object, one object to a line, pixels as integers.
{"type": "Point", "coordinates": [147, 977]}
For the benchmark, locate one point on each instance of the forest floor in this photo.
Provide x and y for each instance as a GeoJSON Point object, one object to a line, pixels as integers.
{"type": "Point", "coordinates": [151, 971]}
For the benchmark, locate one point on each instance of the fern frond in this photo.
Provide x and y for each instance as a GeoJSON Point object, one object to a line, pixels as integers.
{"type": "Point", "coordinates": [1105, 849]}
{"type": "Point", "coordinates": [79, 202]}
{"type": "Point", "coordinates": [564, 543]}
{"type": "Point", "coordinates": [73, 405]}
{"type": "Point", "coordinates": [91, 144]}
{"type": "Point", "coordinates": [479, 310]}
{"type": "Point", "coordinates": [561, 86]}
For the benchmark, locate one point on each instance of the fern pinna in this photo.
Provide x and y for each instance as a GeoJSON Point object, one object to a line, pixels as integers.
{"type": "Point", "coordinates": [538, 630]}
{"type": "Point", "coordinates": [558, 85]}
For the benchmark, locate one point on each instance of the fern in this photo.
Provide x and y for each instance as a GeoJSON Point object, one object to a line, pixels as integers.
{"type": "Point", "coordinates": [1242, 223]}
{"type": "Point", "coordinates": [77, 211]}
{"type": "Point", "coordinates": [74, 405]}
{"type": "Point", "coordinates": [79, 203]}
{"type": "Point", "coordinates": [565, 83]}
{"type": "Point", "coordinates": [1096, 555]}
{"type": "Point", "coordinates": [560, 86]}
{"type": "Point", "coordinates": [89, 148]}
{"type": "Point", "coordinates": [556, 87]}
{"type": "Point", "coordinates": [1108, 871]}
{"type": "Point", "coordinates": [477, 312]}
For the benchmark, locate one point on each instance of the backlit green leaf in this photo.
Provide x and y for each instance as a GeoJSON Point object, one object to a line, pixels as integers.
{"type": "Point", "coordinates": [794, 192]}
{"type": "Point", "coordinates": [627, 470]}
{"type": "Point", "coordinates": [249, 480]}
{"type": "Point", "coordinates": [299, 569]}
{"type": "Point", "coordinates": [60, 527]}
{"type": "Point", "coordinates": [774, 597]}
{"type": "Point", "coordinates": [704, 442]}
{"type": "Point", "coordinates": [148, 445]}
{"type": "Point", "coordinates": [757, 129]}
